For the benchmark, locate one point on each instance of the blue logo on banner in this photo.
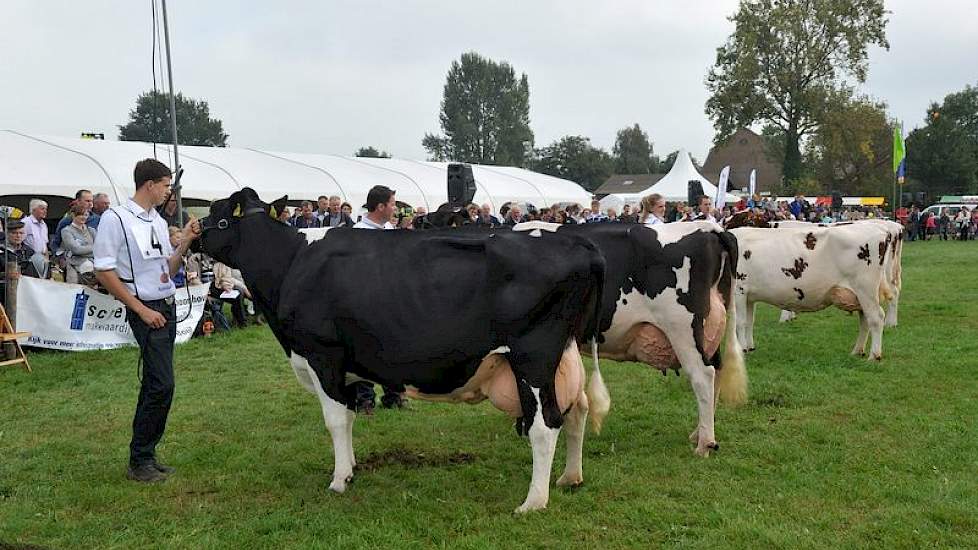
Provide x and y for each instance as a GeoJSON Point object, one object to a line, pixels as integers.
{"type": "Point", "coordinates": [78, 313]}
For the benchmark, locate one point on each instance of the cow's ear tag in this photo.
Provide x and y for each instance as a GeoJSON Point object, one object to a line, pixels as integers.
{"type": "Point", "coordinates": [237, 211]}
{"type": "Point", "coordinates": [272, 212]}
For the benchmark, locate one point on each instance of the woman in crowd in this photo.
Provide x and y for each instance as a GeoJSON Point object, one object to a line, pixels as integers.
{"type": "Point", "coordinates": [652, 210]}
{"type": "Point", "coordinates": [78, 243]}
{"type": "Point", "coordinates": [962, 220]}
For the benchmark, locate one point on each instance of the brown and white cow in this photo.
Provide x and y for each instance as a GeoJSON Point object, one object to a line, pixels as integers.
{"type": "Point", "coordinates": [808, 268]}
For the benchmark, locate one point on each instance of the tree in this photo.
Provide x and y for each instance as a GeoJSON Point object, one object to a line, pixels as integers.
{"type": "Point", "coordinates": [852, 150]}
{"type": "Point", "coordinates": [485, 114]}
{"type": "Point", "coordinates": [150, 121]}
{"type": "Point", "coordinates": [370, 152]}
{"type": "Point", "coordinates": [784, 59]}
{"type": "Point", "coordinates": [575, 159]}
{"type": "Point", "coordinates": [943, 154]}
{"type": "Point", "coordinates": [633, 152]}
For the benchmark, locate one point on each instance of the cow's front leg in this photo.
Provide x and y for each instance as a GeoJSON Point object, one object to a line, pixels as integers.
{"type": "Point", "coordinates": [860, 347]}
{"type": "Point", "coordinates": [543, 442]}
{"type": "Point", "coordinates": [339, 420]}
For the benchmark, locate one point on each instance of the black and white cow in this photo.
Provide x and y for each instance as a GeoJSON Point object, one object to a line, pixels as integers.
{"type": "Point", "coordinates": [808, 268]}
{"type": "Point", "coordinates": [666, 298]}
{"type": "Point", "coordinates": [506, 312]}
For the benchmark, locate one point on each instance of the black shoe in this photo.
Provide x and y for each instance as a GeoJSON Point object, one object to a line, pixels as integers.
{"type": "Point", "coordinates": [145, 473]}
{"type": "Point", "coordinates": [163, 468]}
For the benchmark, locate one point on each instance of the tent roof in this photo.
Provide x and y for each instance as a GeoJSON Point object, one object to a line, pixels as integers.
{"type": "Point", "coordinates": [55, 166]}
{"type": "Point", "coordinates": [674, 186]}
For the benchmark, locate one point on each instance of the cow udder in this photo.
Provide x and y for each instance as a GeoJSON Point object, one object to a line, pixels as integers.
{"type": "Point", "coordinates": [500, 387]}
{"type": "Point", "coordinates": [650, 345]}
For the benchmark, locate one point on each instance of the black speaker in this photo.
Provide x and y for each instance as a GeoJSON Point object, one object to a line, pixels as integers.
{"type": "Point", "coordinates": [836, 200]}
{"type": "Point", "coordinates": [906, 198]}
{"type": "Point", "coordinates": [461, 183]}
{"type": "Point", "coordinates": [694, 192]}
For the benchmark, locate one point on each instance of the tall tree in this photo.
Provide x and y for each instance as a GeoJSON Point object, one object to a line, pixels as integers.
{"type": "Point", "coordinates": [150, 121]}
{"type": "Point", "coordinates": [943, 154]}
{"type": "Point", "coordinates": [485, 114]}
{"type": "Point", "coordinates": [371, 152]}
{"type": "Point", "coordinates": [633, 152]}
{"type": "Point", "coordinates": [852, 148]}
{"type": "Point", "coordinates": [783, 60]}
{"type": "Point", "coordinates": [575, 159]}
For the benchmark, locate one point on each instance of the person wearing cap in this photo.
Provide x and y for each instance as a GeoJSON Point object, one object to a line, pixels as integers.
{"type": "Point", "coordinates": [135, 262]}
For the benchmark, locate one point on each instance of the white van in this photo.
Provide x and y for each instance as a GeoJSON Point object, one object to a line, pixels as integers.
{"type": "Point", "coordinates": [951, 209]}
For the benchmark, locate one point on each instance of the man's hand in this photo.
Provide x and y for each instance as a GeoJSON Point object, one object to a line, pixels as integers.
{"type": "Point", "coordinates": [191, 231]}
{"type": "Point", "coordinates": [152, 318]}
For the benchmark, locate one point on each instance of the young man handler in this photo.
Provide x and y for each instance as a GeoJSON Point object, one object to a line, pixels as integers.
{"type": "Point", "coordinates": [136, 263]}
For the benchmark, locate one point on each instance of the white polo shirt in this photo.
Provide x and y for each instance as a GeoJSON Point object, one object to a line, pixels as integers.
{"type": "Point", "coordinates": [136, 244]}
{"type": "Point", "coordinates": [367, 223]}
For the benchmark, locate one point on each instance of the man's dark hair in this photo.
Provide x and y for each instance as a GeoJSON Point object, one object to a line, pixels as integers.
{"type": "Point", "coordinates": [80, 192]}
{"type": "Point", "coordinates": [149, 170]}
{"type": "Point", "coordinates": [378, 194]}
{"type": "Point", "coordinates": [320, 197]}
{"type": "Point", "coordinates": [700, 198]}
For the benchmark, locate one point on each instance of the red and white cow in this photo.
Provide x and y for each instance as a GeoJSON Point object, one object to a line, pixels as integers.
{"type": "Point", "coordinates": [809, 268]}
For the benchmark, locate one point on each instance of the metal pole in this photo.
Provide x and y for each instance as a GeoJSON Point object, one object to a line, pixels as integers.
{"type": "Point", "coordinates": [173, 117]}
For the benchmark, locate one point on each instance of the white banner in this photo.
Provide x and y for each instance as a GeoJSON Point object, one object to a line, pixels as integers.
{"type": "Point", "coordinates": [753, 184]}
{"type": "Point", "coordinates": [74, 317]}
{"type": "Point", "coordinates": [721, 197]}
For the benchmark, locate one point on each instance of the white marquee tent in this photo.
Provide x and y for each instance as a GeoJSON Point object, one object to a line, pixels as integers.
{"type": "Point", "coordinates": [673, 186]}
{"type": "Point", "coordinates": [49, 167]}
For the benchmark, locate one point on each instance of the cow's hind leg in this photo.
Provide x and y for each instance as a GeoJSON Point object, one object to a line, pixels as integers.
{"type": "Point", "coordinates": [860, 347]}
{"type": "Point", "coordinates": [702, 378]}
{"type": "Point", "coordinates": [874, 322]}
{"type": "Point", "coordinates": [543, 441]}
{"type": "Point", "coordinates": [329, 380]}
{"type": "Point", "coordinates": [574, 424]}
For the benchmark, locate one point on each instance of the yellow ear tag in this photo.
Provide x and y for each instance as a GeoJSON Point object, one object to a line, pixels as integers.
{"type": "Point", "coordinates": [237, 211]}
{"type": "Point", "coordinates": [272, 212]}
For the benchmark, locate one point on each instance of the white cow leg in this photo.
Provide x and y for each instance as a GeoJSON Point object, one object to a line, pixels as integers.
{"type": "Point", "coordinates": [543, 441]}
{"type": "Point", "coordinates": [749, 326]}
{"type": "Point", "coordinates": [702, 379]}
{"type": "Point", "coordinates": [302, 372]}
{"type": "Point", "coordinates": [860, 347]}
{"type": "Point", "coordinates": [574, 424]}
{"type": "Point", "coordinates": [741, 319]}
{"type": "Point", "coordinates": [340, 426]}
{"type": "Point", "coordinates": [874, 321]}
{"type": "Point", "coordinates": [350, 417]}
{"type": "Point", "coordinates": [891, 311]}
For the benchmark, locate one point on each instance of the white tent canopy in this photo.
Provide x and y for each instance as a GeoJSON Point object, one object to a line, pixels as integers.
{"type": "Point", "coordinates": [674, 186]}
{"type": "Point", "coordinates": [32, 166]}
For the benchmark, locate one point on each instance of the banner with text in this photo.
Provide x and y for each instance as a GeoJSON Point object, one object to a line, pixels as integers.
{"type": "Point", "coordinates": [74, 317]}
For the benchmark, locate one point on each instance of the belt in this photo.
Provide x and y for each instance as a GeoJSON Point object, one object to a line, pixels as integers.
{"type": "Point", "coordinates": [168, 301]}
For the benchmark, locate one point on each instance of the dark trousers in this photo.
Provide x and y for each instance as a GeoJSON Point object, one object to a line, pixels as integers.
{"type": "Point", "coordinates": [156, 391]}
{"type": "Point", "coordinates": [365, 394]}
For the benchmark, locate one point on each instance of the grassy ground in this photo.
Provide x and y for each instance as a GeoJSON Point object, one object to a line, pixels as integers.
{"type": "Point", "coordinates": [831, 451]}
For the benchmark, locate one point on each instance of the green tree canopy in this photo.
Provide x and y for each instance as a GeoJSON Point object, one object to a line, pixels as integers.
{"type": "Point", "coordinates": [943, 154]}
{"type": "Point", "coordinates": [150, 121]}
{"type": "Point", "coordinates": [575, 159]}
{"type": "Point", "coordinates": [852, 150]}
{"type": "Point", "coordinates": [371, 152]}
{"type": "Point", "coordinates": [485, 114]}
{"type": "Point", "coordinates": [633, 152]}
{"type": "Point", "coordinates": [783, 61]}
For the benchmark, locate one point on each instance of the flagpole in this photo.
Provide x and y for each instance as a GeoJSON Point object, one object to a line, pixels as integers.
{"type": "Point", "coordinates": [173, 120]}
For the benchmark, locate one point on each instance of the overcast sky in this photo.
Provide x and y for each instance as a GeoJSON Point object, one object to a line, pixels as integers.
{"type": "Point", "coordinates": [332, 76]}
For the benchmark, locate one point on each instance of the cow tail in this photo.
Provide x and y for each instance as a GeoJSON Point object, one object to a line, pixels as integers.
{"type": "Point", "coordinates": [731, 383]}
{"type": "Point", "coordinates": [599, 400]}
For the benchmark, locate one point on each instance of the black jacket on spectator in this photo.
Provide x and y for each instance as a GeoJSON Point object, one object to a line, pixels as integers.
{"type": "Point", "coordinates": [345, 221]}
{"type": "Point", "coordinates": [299, 222]}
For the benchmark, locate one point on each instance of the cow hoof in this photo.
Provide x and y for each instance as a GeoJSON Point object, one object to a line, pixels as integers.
{"type": "Point", "coordinates": [529, 507]}
{"type": "Point", "coordinates": [572, 481]}
{"type": "Point", "coordinates": [339, 485]}
{"type": "Point", "coordinates": [704, 450]}
{"type": "Point", "coordinates": [876, 357]}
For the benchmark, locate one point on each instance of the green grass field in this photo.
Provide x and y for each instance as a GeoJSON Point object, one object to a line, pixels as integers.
{"type": "Point", "coordinates": [830, 451]}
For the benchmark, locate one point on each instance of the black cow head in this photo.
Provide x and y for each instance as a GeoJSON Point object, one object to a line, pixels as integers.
{"type": "Point", "coordinates": [221, 227]}
{"type": "Point", "coordinates": [447, 215]}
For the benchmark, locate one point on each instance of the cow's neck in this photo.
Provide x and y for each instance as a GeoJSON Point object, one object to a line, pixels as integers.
{"type": "Point", "coordinates": [268, 248]}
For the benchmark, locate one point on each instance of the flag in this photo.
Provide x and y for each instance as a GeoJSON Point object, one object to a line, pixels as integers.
{"type": "Point", "coordinates": [752, 190]}
{"type": "Point", "coordinates": [721, 197]}
{"type": "Point", "coordinates": [899, 154]}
